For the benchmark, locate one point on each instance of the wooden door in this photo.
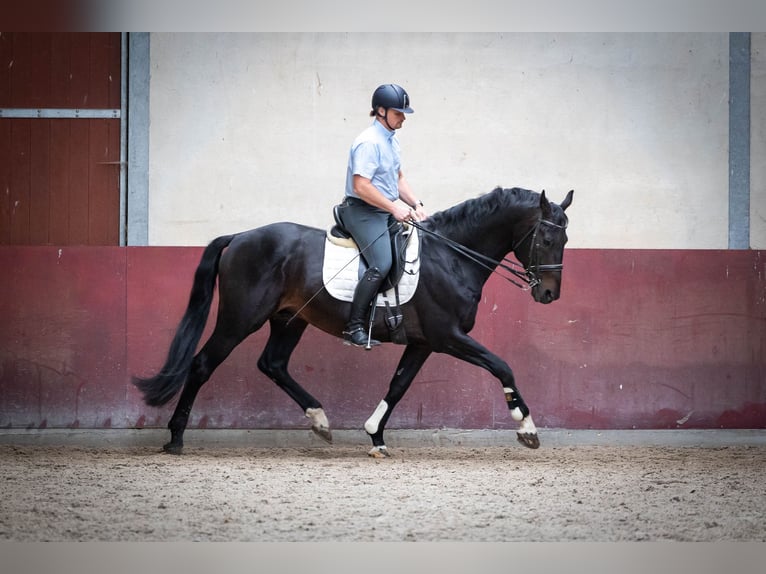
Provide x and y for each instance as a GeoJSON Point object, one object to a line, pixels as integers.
{"type": "Point", "coordinates": [60, 138]}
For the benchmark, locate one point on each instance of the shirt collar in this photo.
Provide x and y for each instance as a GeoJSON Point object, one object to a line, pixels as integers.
{"type": "Point", "coordinates": [383, 129]}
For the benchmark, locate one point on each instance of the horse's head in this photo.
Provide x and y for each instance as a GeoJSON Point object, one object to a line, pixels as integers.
{"type": "Point", "coordinates": [541, 250]}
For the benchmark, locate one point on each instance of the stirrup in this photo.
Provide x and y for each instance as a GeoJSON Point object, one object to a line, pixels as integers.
{"type": "Point", "coordinates": [358, 338]}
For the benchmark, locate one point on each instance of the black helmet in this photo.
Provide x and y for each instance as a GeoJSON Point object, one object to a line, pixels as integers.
{"type": "Point", "coordinates": [391, 96]}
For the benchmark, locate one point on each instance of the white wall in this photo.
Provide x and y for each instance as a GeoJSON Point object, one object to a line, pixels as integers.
{"type": "Point", "coordinates": [247, 129]}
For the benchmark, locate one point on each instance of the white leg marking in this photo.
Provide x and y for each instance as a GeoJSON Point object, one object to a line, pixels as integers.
{"type": "Point", "coordinates": [318, 418]}
{"type": "Point", "coordinates": [371, 426]}
{"type": "Point", "coordinates": [527, 426]}
{"type": "Point", "coordinates": [379, 452]}
{"type": "Point", "coordinates": [319, 424]}
{"type": "Point", "coordinates": [517, 415]}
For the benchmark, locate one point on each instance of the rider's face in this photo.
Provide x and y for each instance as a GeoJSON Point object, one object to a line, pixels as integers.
{"type": "Point", "coordinates": [393, 118]}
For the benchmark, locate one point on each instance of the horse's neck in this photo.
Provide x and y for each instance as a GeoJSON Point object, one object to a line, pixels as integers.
{"type": "Point", "coordinates": [498, 237]}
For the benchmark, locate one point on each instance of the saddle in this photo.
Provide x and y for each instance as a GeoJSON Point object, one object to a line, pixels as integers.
{"type": "Point", "coordinates": [405, 264]}
{"type": "Point", "coordinates": [399, 235]}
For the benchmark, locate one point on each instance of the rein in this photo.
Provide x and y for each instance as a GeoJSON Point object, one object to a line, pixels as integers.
{"type": "Point", "coordinates": [528, 276]}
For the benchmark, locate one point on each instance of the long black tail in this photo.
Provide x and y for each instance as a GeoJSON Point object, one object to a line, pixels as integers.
{"type": "Point", "coordinates": [163, 386]}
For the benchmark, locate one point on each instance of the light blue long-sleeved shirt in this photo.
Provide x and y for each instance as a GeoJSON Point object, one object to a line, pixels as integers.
{"type": "Point", "coordinates": [375, 155]}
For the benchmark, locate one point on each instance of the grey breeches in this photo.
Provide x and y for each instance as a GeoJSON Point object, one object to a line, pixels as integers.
{"type": "Point", "coordinates": [369, 227]}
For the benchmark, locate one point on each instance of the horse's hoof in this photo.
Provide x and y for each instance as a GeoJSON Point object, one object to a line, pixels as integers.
{"type": "Point", "coordinates": [379, 452]}
{"type": "Point", "coordinates": [324, 433]}
{"type": "Point", "coordinates": [529, 440]}
{"type": "Point", "coordinates": [319, 423]}
{"type": "Point", "coordinates": [172, 448]}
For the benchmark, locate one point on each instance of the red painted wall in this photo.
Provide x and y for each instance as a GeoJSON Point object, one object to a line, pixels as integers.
{"type": "Point", "coordinates": [639, 339]}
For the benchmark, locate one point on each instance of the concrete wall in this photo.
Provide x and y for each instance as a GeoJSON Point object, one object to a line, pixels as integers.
{"type": "Point", "coordinates": [247, 129]}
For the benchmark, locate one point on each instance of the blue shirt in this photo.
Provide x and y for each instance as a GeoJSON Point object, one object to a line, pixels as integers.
{"type": "Point", "coordinates": [375, 155]}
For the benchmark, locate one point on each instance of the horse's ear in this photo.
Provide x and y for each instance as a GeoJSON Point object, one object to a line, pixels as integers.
{"type": "Point", "coordinates": [567, 200]}
{"type": "Point", "coordinates": [545, 206]}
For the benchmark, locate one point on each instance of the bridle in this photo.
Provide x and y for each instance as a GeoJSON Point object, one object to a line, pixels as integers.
{"type": "Point", "coordinates": [534, 268]}
{"type": "Point", "coordinates": [529, 275]}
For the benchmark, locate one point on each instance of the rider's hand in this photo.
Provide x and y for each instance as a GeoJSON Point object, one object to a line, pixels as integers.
{"type": "Point", "coordinates": [419, 214]}
{"type": "Point", "coordinates": [402, 212]}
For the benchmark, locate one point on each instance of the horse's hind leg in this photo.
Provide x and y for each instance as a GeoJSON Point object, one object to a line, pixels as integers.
{"type": "Point", "coordinates": [409, 365]}
{"type": "Point", "coordinates": [284, 337]}
{"type": "Point", "coordinates": [212, 354]}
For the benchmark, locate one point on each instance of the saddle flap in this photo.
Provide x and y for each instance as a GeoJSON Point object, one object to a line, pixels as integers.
{"type": "Point", "coordinates": [341, 269]}
{"type": "Point", "coordinates": [400, 236]}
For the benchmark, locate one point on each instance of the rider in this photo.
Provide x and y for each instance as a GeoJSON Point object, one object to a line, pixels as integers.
{"type": "Point", "coordinates": [376, 194]}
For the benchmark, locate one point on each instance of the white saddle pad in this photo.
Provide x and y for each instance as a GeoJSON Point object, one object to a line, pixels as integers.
{"type": "Point", "coordinates": [340, 272]}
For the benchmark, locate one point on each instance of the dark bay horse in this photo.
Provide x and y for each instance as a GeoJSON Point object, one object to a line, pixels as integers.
{"type": "Point", "coordinates": [274, 273]}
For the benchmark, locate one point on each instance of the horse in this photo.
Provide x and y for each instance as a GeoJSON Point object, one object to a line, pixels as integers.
{"type": "Point", "coordinates": [274, 273]}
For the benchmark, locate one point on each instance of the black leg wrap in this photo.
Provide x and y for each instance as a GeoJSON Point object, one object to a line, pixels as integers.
{"type": "Point", "coordinates": [517, 402]}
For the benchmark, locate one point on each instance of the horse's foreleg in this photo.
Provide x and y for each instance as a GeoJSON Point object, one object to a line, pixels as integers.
{"type": "Point", "coordinates": [465, 348]}
{"type": "Point", "coordinates": [273, 363]}
{"type": "Point", "coordinates": [412, 360]}
{"type": "Point", "coordinates": [527, 433]}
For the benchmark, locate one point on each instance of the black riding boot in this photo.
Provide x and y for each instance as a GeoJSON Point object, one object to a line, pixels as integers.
{"type": "Point", "coordinates": [366, 290]}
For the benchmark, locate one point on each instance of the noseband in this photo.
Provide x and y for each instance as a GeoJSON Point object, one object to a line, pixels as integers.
{"type": "Point", "coordinates": [534, 268]}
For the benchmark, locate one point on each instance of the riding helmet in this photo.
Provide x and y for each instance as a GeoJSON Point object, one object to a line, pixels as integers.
{"type": "Point", "coordinates": [391, 96]}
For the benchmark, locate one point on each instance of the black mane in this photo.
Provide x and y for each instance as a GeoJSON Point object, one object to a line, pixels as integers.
{"type": "Point", "coordinates": [473, 212]}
